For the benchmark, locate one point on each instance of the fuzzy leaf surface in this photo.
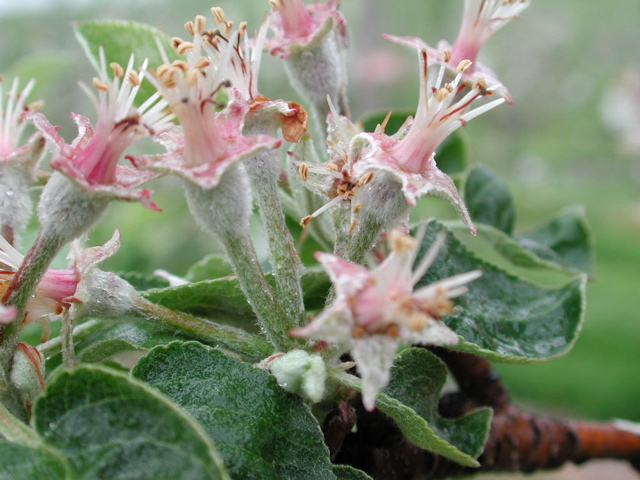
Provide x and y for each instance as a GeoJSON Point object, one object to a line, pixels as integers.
{"type": "Point", "coordinates": [121, 337]}
{"type": "Point", "coordinates": [345, 472]}
{"type": "Point", "coordinates": [489, 200]}
{"type": "Point", "coordinates": [111, 426]}
{"type": "Point", "coordinates": [223, 301]}
{"type": "Point", "coordinates": [20, 462]}
{"type": "Point", "coordinates": [260, 430]}
{"type": "Point", "coordinates": [411, 400]}
{"type": "Point", "coordinates": [503, 317]}
{"type": "Point", "coordinates": [565, 240]}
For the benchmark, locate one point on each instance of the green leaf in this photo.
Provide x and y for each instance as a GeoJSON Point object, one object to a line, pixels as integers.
{"type": "Point", "coordinates": [143, 282]}
{"type": "Point", "coordinates": [223, 301]}
{"type": "Point", "coordinates": [120, 39]}
{"type": "Point", "coordinates": [120, 337]}
{"type": "Point", "coordinates": [489, 200]}
{"type": "Point", "coordinates": [260, 430]}
{"type": "Point", "coordinates": [417, 379]}
{"type": "Point", "coordinates": [111, 426]}
{"type": "Point", "coordinates": [25, 463]}
{"type": "Point", "coordinates": [503, 317]}
{"type": "Point", "coordinates": [345, 472]}
{"type": "Point", "coordinates": [411, 399]}
{"type": "Point", "coordinates": [451, 155]}
{"type": "Point", "coordinates": [209, 268]}
{"type": "Point", "coordinates": [566, 241]}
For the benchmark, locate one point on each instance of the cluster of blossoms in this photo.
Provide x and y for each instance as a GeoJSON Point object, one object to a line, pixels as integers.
{"type": "Point", "coordinates": [223, 139]}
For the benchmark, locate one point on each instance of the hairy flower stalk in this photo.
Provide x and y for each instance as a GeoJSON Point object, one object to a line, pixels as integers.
{"type": "Point", "coordinates": [312, 40]}
{"type": "Point", "coordinates": [86, 179]}
{"type": "Point", "coordinates": [18, 164]}
{"type": "Point", "coordinates": [207, 153]}
{"type": "Point", "coordinates": [376, 311]}
{"type": "Point", "coordinates": [239, 64]}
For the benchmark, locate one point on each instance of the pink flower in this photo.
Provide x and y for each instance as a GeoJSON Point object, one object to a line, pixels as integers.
{"type": "Point", "coordinates": [408, 157]}
{"type": "Point", "coordinates": [377, 310]}
{"type": "Point", "coordinates": [59, 289]}
{"type": "Point", "coordinates": [297, 26]}
{"type": "Point", "coordinates": [91, 161]}
{"type": "Point", "coordinates": [481, 19]}
{"type": "Point", "coordinates": [18, 162]}
{"type": "Point", "coordinates": [209, 141]}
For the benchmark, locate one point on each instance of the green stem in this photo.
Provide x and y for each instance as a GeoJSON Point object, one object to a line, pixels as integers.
{"type": "Point", "coordinates": [22, 288]}
{"type": "Point", "coordinates": [80, 333]}
{"type": "Point", "coordinates": [250, 346]}
{"type": "Point", "coordinates": [12, 429]}
{"type": "Point", "coordinates": [224, 210]}
{"type": "Point", "coordinates": [284, 256]}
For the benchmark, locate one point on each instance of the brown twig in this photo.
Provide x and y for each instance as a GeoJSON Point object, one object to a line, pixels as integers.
{"type": "Point", "coordinates": [518, 442]}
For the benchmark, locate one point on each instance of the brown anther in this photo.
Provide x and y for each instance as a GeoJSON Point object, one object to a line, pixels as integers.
{"type": "Point", "coordinates": [200, 24]}
{"type": "Point", "coordinates": [180, 64]}
{"type": "Point", "coordinates": [34, 106]}
{"type": "Point", "coordinates": [242, 29]}
{"type": "Point", "coordinates": [218, 15]}
{"type": "Point", "coordinates": [192, 77]}
{"type": "Point", "coordinates": [118, 71]}
{"type": "Point", "coordinates": [332, 167]}
{"type": "Point", "coordinates": [357, 332]}
{"type": "Point", "coordinates": [190, 28]}
{"type": "Point", "coordinates": [275, 4]}
{"type": "Point", "coordinates": [417, 322]}
{"type": "Point", "coordinates": [357, 207]}
{"type": "Point", "coordinates": [162, 70]}
{"type": "Point", "coordinates": [481, 83]}
{"type": "Point", "coordinates": [463, 65]}
{"type": "Point", "coordinates": [303, 170]}
{"type": "Point", "coordinates": [447, 55]}
{"type": "Point", "coordinates": [366, 178]}
{"type": "Point", "coordinates": [100, 85]}
{"type": "Point", "coordinates": [352, 227]}
{"type": "Point", "coordinates": [441, 94]}
{"type": "Point", "coordinates": [393, 331]}
{"type": "Point", "coordinates": [399, 242]}
{"type": "Point", "coordinates": [184, 47]}
{"type": "Point", "coordinates": [306, 221]}
{"type": "Point", "coordinates": [202, 63]}
{"type": "Point", "coordinates": [177, 41]}
{"type": "Point", "coordinates": [134, 78]}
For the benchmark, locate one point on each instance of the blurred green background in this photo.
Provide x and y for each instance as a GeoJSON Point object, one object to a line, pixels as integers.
{"type": "Point", "coordinates": [560, 61]}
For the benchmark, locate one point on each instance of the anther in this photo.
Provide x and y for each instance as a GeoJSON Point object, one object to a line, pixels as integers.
{"type": "Point", "coordinates": [357, 207]}
{"type": "Point", "coordinates": [365, 179]}
{"type": "Point", "coordinates": [352, 227]}
{"type": "Point", "coordinates": [218, 14]}
{"type": "Point", "coordinates": [117, 69]}
{"type": "Point", "coordinates": [100, 85]}
{"type": "Point", "coordinates": [447, 55]}
{"type": "Point", "coordinates": [181, 64]}
{"type": "Point", "coordinates": [202, 63]}
{"type": "Point", "coordinates": [332, 167]}
{"type": "Point", "coordinates": [463, 65]}
{"type": "Point", "coordinates": [306, 221]}
{"type": "Point", "coordinates": [177, 41]}
{"type": "Point", "coordinates": [190, 28]}
{"type": "Point", "coordinates": [185, 47]}
{"type": "Point", "coordinates": [200, 24]}
{"type": "Point", "coordinates": [134, 78]}
{"type": "Point", "coordinates": [303, 170]}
